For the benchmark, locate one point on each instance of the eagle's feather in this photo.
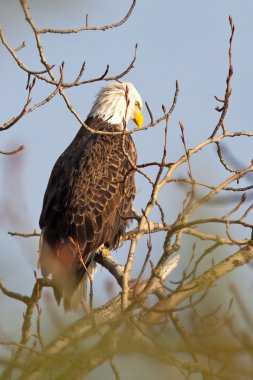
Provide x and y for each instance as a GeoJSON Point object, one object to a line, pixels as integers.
{"type": "Point", "coordinates": [87, 204]}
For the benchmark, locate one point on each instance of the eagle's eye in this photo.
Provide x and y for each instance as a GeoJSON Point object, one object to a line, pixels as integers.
{"type": "Point", "coordinates": [137, 104]}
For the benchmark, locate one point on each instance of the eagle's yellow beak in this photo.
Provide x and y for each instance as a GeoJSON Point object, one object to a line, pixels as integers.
{"type": "Point", "coordinates": [138, 118]}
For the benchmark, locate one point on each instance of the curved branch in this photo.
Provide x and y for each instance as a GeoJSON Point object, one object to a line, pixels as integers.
{"type": "Point", "coordinates": [10, 152]}
{"type": "Point", "coordinates": [27, 110]}
{"type": "Point", "coordinates": [77, 30]}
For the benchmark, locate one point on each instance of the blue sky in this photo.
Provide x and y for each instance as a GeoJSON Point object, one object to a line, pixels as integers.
{"type": "Point", "coordinates": [177, 40]}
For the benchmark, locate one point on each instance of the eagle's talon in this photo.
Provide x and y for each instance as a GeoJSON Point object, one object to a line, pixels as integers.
{"type": "Point", "coordinates": [106, 251]}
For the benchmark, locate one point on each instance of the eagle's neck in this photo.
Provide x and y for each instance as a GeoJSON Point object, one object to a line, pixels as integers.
{"type": "Point", "coordinates": [98, 124]}
{"type": "Point", "coordinates": [111, 111]}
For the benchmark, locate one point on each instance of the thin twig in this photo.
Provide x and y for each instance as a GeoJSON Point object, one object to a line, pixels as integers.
{"type": "Point", "coordinates": [228, 91]}
{"type": "Point", "coordinates": [10, 152]}
{"type": "Point", "coordinates": [86, 27]}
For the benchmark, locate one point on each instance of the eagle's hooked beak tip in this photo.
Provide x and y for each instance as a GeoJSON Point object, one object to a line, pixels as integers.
{"type": "Point", "coordinates": [138, 119]}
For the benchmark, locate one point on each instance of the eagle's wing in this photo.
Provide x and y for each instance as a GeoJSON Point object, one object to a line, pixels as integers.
{"type": "Point", "coordinates": [60, 178]}
{"type": "Point", "coordinates": [90, 190]}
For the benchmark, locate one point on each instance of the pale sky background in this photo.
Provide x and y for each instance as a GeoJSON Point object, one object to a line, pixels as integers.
{"type": "Point", "coordinates": [183, 40]}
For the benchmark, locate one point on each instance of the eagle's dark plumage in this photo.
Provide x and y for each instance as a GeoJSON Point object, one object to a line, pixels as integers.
{"type": "Point", "coordinates": [87, 204]}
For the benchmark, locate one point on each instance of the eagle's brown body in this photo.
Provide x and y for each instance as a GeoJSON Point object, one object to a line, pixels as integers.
{"type": "Point", "coordinates": [87, 204]}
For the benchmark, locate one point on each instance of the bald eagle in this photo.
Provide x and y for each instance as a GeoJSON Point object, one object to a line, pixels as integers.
{"type": "Point", "coordinates": [89, 196]}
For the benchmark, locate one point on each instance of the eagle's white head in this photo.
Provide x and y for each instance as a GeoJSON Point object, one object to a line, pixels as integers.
{"type": "Point", "coordinates": [111, 104]}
